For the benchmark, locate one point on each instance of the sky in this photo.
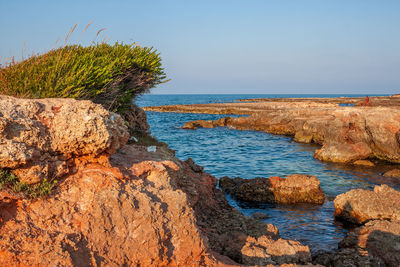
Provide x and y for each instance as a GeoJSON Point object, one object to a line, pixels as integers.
{"type": "Point", "coordinates": [229, 46]}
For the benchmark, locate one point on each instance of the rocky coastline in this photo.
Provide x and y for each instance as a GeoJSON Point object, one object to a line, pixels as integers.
{"type": "Point", "coordinates": [345, 134]}
{"type": "Point", "coordinates": [120, 202]}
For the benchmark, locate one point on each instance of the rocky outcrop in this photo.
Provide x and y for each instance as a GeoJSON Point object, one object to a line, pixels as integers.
{"type": "Point", "coordinates": [120, 205]}
{"type": "Point", "coordinates": [295, 188]}
{"type": "Point", "coordinates": [38, 138]}
{"type": "Point", "coordinates": [360, 206]}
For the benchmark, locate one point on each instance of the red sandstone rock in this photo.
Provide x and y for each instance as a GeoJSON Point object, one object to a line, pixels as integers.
{"type": "Point", "coordinates": [360, 206]}
{"type": "Point", "coordinates": [295, 188]}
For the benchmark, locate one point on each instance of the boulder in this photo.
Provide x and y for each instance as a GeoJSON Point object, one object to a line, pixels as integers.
{"type": "Point", "coordinates": [360, 206]}
{"type": "Point", "coordinates": [343, 153]}
{"type": "Point", "coordinates": [38, 137]}
{"type": "Point", "coordinates": [295, 188]}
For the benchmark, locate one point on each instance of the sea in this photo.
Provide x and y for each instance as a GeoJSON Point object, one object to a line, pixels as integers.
{"type": "Point", "coordinates": [249, 154]}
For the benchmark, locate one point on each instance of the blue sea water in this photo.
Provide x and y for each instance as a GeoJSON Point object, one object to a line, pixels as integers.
{"type": "Point", "coordinates": [250, 154]}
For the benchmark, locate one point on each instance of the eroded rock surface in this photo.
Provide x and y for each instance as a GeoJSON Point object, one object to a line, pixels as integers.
{"type": "Point", "coordinates": [295, 188]}
{"type": "Point", "coordinates": [360, 206]}
{"type": "Point", "coordinates": [39, 137]}
{"type": "Point", "coordinates": [137, 207]}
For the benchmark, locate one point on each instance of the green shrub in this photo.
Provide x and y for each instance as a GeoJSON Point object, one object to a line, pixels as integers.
{"type": "Point", "coordinates": [107, 74]}
{"type": "Point", "coordinates": [41, 189]}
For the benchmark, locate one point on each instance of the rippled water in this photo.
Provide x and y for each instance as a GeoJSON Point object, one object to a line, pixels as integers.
{"type": "Point", "coordinates": [249, 154]}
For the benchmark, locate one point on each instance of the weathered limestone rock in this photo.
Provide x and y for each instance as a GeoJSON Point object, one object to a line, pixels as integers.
{"type": "Point", "coordinates": [360, 206]}
{"type": "Point", "coordinates": [38, 137]}
{"type": "Point", "coordinates": [295, 188]}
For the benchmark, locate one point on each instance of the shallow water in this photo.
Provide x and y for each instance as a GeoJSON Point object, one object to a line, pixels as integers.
{"type": "Point", "coordinates": [249, 154]}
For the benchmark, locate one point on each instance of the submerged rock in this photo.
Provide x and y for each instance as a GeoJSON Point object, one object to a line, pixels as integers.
{"type": "Point", "coordinates": [193, 125]}
{"type": "Point", "coordinates": [295, 188]}
{"type": "Point", "coordinates": [360, 206]}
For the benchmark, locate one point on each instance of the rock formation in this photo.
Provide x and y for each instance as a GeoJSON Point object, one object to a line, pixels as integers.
{"type": "Point", "coordinates": [295, 188]}
{"type": "Point", "coordinates": [360, 206]}
{"type": "Point", "coordinates": [39, 138]}
{"type": "Point", "coordinates": [117, 204]}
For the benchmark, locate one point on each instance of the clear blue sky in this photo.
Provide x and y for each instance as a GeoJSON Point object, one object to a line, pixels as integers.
{"type": "Point", "coordinates": [228, 46]}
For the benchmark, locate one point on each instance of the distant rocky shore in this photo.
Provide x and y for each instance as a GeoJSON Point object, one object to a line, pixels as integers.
{"type": "Point", "coordinates": [347, 134]}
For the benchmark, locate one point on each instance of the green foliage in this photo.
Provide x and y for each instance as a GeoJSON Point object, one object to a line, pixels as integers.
{"type": "Point", "coordinates": [42, 189]}
{"type": "Point", "coordinates": [107, 74]}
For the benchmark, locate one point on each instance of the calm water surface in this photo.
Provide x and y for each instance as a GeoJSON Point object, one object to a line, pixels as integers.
{"type": "Point", "coordinates": [249, 154]}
